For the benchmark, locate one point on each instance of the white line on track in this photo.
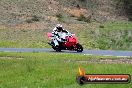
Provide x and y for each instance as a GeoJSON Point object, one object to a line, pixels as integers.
{"type": "Point", "coordinates": [107, 55]}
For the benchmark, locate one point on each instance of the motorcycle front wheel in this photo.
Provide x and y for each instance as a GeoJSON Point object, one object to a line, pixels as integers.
{"type": "Point", "coordinates": [79, 48]}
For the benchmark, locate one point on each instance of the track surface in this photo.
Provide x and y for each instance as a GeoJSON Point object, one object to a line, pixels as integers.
{"type": "Point", "coordinates": [85, 52]}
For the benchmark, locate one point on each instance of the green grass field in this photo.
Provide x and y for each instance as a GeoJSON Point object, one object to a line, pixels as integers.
{"type": "Point", "coordinates": [54, 70]}
{"type": "Point", "coordinates": [107, 35]}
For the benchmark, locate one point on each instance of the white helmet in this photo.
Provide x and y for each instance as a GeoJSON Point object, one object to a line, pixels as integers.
{"type": "Point", "coordinates": [59, 25]}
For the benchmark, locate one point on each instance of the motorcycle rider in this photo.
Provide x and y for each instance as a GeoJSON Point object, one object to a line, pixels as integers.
{"type": "Point", "coordinates": [59, 34]}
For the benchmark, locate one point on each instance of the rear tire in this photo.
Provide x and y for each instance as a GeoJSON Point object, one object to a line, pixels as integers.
{"type": "Point", "coordinates": [58, 49]}
{"type": "Point", "coordinates": [79, 48]}
{"type": "Point", "coordinates": [53, 47]}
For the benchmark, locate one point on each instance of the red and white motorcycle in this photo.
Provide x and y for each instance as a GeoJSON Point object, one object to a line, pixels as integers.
{"type": "Point", "coordinates": [70, 44]}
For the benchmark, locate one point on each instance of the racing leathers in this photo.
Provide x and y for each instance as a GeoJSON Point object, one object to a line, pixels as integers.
{"type": "Point", "coordinates": [59, 36]}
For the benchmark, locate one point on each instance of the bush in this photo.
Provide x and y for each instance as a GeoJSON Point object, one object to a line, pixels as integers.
{"type": "Point", "coordinates": [33, 19]}
{"type": "Point", "coordinates": [82, 0]}
{"type": "Point", "coordinates": [125, 6]}
{"type": "Point", "coordinates": [60, 17]}
{"type": "Point", "coordinates": [29, 21]}
{"type": "Point", "coordinates": [83, 18]}
{"type": "Point", "coordinates": [101, 26]}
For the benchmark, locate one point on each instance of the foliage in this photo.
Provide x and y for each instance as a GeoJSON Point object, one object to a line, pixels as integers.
{"type": "Point", "coordinates": [33, 19]}
{"type": "Point", "coordinates": [125, 5]}
{"type": "Point", "coordinates": [60, 17]}
{"type": "Point", "coordinates": [83, 18]}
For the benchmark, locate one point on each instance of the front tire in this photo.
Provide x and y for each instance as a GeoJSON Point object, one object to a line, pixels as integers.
{"type": "Point", "coordinates": [79, 48]}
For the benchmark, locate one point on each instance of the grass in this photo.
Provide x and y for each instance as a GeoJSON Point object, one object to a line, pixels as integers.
{"type": "Point", "coordinates": [119, 25]}
{"type": "Point", "coordinates": [24, 44]}
{"type": "Point", "coordinates": [23, 38]}
{"type": "Point", "coordinates": [53, 70]}
{"type": "Point", "coordinates": [108, 35]}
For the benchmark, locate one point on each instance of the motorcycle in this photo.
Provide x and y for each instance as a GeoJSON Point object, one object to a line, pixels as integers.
{"type": "Point", "coordinates": [71, 43]}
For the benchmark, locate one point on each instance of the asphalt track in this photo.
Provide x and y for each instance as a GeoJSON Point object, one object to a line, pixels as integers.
{"type": "Point", "coordinates": [85, 52]}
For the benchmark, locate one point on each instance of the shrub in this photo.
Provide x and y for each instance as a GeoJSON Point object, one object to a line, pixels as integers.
{"type": "Point", "coordinates": [82, 0]}
{"type": "Point", "coordinates": [83, 18]}
{"type": "Point", "coordinates": [101, 26]}
{"type": "Point", "coordinates": [60, 17]}
{"type": "Point", "coordinates": [29, 21]}
{"type": "Point", "coordinates": [33, 19]}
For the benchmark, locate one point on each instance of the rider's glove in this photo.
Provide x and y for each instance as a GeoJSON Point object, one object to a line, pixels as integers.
{"type": "Point", "coordinates": [69, 34]}
{"type": "Point", "coordinates": [63, 40]}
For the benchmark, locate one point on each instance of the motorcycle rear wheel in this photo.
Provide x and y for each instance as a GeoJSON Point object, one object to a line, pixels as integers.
{"type": "Point", "coordinates": [58, 49]}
